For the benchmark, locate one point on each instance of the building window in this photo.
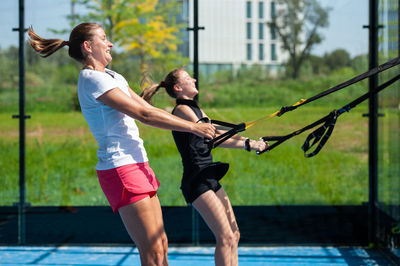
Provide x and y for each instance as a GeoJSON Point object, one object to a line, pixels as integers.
{"type": "Point", "coordinates": [273, 52]}
{"type": "Point", "coordinates": [249, 52]}
{"type": "Point", "coordinates": [249, 31]}
{"type": "Point", "coordinates": [260, 9]}
{"type": "Point", "coordinates": [273, 33]}
{"type": "Point", "coordinates": [248, 9]}
{"type": "Point", "coordinates": [261, 31]}
{"type": "Point", "coordinates": [261, 52]}
{"type": "Point", "coordinates": [273, 11]}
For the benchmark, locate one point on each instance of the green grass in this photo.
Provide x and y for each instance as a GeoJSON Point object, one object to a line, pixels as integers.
{"type": "Point", "coordinates": [61, 159]}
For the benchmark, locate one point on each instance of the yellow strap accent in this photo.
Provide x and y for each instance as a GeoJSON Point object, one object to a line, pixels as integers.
{"type": "Point", "coordinates": [299, 102]}
{"type": "Point", "coordinates": [250, 124]}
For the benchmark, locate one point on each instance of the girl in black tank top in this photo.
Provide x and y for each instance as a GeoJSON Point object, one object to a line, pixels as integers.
{"type": "Point", "coordinates": [200, 174]}
{"type": "Point", "coordinates": [200, 180]}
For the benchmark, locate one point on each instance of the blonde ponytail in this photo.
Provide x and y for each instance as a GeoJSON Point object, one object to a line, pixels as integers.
{"type": "Point", "coordinates": [44, 47]}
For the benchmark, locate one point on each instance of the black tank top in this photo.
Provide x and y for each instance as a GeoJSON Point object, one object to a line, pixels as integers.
{"type": "Point", "coordinates": [191, 146]}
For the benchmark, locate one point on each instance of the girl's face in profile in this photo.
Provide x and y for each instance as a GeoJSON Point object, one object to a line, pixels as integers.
{"type": "Point", "coordinates": [187, 85]}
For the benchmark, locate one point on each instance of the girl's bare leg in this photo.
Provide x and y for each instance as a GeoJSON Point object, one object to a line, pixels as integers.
{"type": "Point", "coordinates": [221, 194]}
{"type": "Point", "coordinates": [143, 223]}
{"type": "Point", "coordinates": [215, 215]}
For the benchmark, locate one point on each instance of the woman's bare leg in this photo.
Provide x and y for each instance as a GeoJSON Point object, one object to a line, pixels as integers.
{"type": "Point", "coordinates": [159, 219]}
{"type": "Point", "coordinates": [221, 194]}
{"type": "Point", "coordinates": [215, 215]}
{"type": "Point", "coordinates": [141, 220]}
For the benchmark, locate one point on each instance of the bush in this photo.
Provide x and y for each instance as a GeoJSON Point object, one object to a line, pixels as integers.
{"type": "Point", "coordinates": [51, 83]}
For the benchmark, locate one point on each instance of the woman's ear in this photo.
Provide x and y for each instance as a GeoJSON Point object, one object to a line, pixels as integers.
{"type": "Point", "coordinates": [87, 46]}
{"type": "Point", "coordinates": [177, 88]}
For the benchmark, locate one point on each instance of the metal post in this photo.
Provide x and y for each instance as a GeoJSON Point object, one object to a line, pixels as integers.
{"type": "Point", "coordinates": [21, 116]}
{"type": "Point", "coordinates": [373, 122]}
{"type": "Point", "coordinates": [195, 30]}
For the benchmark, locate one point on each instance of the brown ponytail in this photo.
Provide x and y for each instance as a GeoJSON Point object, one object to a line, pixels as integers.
{"type": "Point", "coordinates": [45, 47]}
{"type": "Point", "coordinates": [168, 83]}
{"type": "Point", "coordinates": [149, 92]}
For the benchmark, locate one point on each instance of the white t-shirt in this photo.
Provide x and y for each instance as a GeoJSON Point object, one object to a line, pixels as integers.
{"type": "Point", "coordinates": [116, 133]}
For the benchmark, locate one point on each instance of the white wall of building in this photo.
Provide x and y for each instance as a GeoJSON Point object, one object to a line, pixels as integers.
{"type": "Point", "coordinates": [224, 39]}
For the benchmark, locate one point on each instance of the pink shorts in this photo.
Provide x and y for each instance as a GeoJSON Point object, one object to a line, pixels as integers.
{"type": "Point", "coordinates": [128, 184]}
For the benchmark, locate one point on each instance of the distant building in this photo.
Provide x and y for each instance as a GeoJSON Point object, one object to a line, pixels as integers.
{"type": "Point", "coordinates": [388, 128]}
{"type": "Point", "coordinates": [389, 35]}
{"type": "Point", "coordinates": [236, 33]}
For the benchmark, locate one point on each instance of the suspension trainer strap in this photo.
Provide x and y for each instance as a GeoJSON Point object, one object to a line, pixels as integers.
{"type": "Point", "coordinates": [221, 138]}
{"type": "Point", "coordinates": [329, 120]}
{"type": "Point", "coordinates": [320, 135]}
{"type": "Point", "coordinates": [280, 139]}
{"type": "Point", "coordinates": [323, 133]}
{"type": "Point", "coordinates": [215, 142]}
{"type": "Point", "coordinates": [374, 71]}
{"type": "Point", "coordinates": [362, 98]}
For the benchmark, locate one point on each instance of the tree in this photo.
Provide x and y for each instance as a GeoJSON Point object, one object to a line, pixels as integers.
{"type": "Point", "coordinates": [318, 64]}
{"type": "Point", "coordinates": [100, 11]}
{"type": "Point", "coordinates": [297, 23]}
{"type": "Point", "coordinates": [337, 59]}
{"type": "Point", "coordinates": [149, 30]}
{"type": "Point", "coordinates": [9, 68]}
{"type": "Point", "coordinates": [360, 63]}
{"type": "Point", "coordinates": [146, 28]}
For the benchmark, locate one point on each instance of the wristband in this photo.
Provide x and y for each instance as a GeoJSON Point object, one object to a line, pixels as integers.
{"type": "Point", "coordinates": [244, 143]}
{"type": "Point", "coordinates": [247, 144]}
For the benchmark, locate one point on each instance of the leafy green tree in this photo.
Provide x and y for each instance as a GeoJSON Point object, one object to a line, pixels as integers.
{"type": "Point", "coordinates": [103, 12]}
{"type": "Point", "coordinates": [149, 30]}
{"type": "Point", "coordinates": [318, 64]}
{"type": "Point", "coordinates": [9, 68]}
{"type": "Point", "coordinates": [145, 28]}
{"type": "Point", "coordinates": [297, 23]}
{"type": "Point", "coordinates": [337, 59]}
{"type": "Point", "coordinates": [360, 63]}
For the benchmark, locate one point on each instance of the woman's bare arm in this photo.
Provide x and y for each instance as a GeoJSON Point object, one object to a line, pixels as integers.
{"type": "Point", "coordinates": [235, 142]}
{"type": "Point", "coordinates": [140, 110]}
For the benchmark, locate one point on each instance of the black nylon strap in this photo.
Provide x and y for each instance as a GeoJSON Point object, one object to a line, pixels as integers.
{"type": "Point", "coordinates": [320, 135]}
{"type": "Point", "coordinates": [362, 98]}
{"type": "Point", "coordinates": [374, 71]}
{"type": "Point", "coordinates": [215, 142]}
{"type": "Point", "coordinates": [221, 138]}
{"type": "Point", "coordinates": [326, 130]}
{"type": "Point", "coordinates": [281, 139]}
{"type": "Point", "coordinates": [225, 124]}
{"type": "Point", "coordinates": [236, 128]}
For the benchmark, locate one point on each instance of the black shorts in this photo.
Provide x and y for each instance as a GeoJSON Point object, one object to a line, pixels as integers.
{"type": "Point", "coordinates": [207, 179]}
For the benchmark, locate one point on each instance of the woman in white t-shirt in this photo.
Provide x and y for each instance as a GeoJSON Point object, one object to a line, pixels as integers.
{"type": "Point", "coordinates": [110, 108]}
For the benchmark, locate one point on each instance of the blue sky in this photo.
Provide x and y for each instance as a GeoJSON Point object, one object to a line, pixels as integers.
{"type": "Point", "coordinates": [346, 21]}
{"type": "Point", "coordinates": [345, 30]}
